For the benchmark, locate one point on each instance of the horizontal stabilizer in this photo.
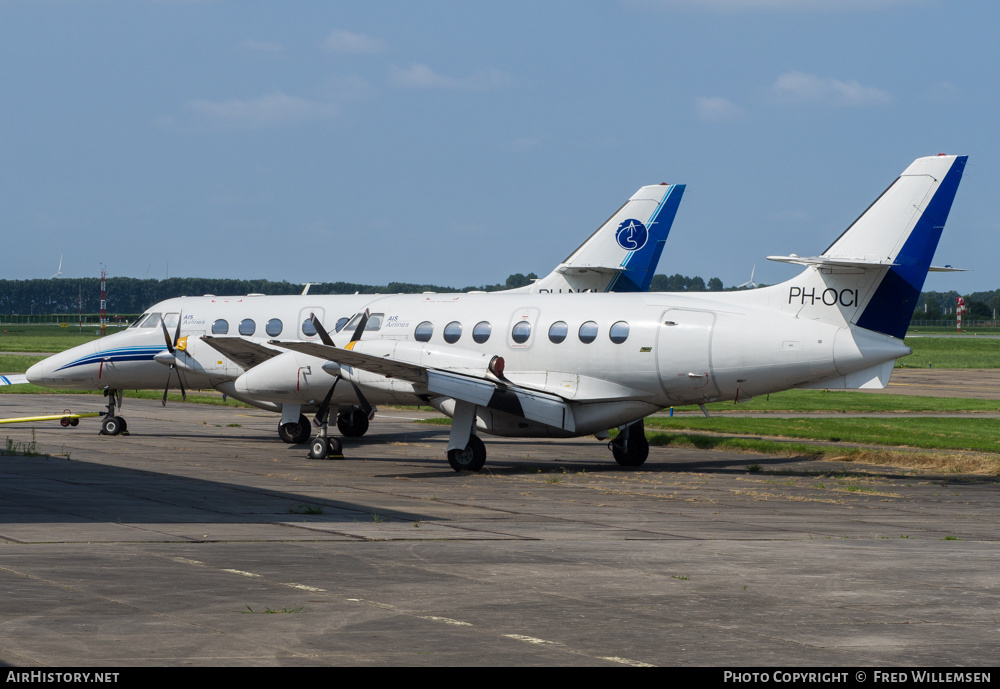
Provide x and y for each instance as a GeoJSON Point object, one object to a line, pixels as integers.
{"type": "Point", "coordinates": [826, 262]}
{"type": "Point", "coordinates": [12, 379]}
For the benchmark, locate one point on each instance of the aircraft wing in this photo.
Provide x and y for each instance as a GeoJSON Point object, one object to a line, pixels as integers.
{"type": "Point", "coordinates": [533, 405]}
{"type": "Point", "coordinates": [244, 352]}
{"type": "Point", "coordinates": [11, 379]}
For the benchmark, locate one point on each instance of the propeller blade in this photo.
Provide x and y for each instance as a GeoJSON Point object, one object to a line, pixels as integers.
{"type": "Point", "coordinates": [170, 372]}
{"type": "Point", "coordinates": [365, 407]}
{"type": "Point", "coordinates": [321, 331]}
{"type": "Point", "coordinates": [177, 332]}
{"type": "Point", "coordinates": [361, 326]}
{"type": "Point", "coordinates": [324, 407]}
{"type": "Point", "coordinates": [166, 337]}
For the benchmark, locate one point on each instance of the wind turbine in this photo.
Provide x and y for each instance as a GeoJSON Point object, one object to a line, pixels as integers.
{"type": "Point", "coordinates": [749, 284]}
{"type": "Point", "coordinates": [58, 273]}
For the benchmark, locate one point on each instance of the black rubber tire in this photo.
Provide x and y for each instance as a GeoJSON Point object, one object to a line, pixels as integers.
{"type": "Point", "coordinates": [634, 452]}
{"type": "Point", "coordinates": [319, 448]}
{"type": "Point", "coordinates": [472, 458]}
{"type": "Point", "coordinates": [111, 425]}
{"type": "Point", "coordinates": [352, 424]}
{"type": "Point", "coordinates": [295, 433]}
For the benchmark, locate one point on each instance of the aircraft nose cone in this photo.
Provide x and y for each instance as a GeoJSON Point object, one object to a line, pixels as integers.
{"type": "Point", "coordinates": [38, 371]}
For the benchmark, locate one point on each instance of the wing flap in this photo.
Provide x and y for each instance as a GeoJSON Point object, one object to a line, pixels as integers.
{"type": "Point", "coordinates": [245, 353]}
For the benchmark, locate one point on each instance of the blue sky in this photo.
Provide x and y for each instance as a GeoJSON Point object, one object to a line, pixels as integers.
{"type": "Point", "coordinates": [457, 142]}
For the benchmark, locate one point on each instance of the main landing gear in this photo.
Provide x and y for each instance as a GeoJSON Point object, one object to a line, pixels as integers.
{"type": "Point", "coordinates": [352, 424]}
{"type": "Point", "coordinates": [296, 432]}
{"type": "Point", "coordinates": [111, 424]}
{"type": "Point", "coordinates": [630, 448]}
{"type": "Point", "coordinates": [466, 452]}
{"type": "Point", "coordinates": [470, 458]}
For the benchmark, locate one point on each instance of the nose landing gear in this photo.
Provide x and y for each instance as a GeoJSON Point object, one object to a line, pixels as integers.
{"type": "Point", "coordinates": [111, 424]}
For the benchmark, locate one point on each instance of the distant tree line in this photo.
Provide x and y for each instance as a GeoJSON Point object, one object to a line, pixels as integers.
{"type": "Point", "coordinates": [941, 305]}
{"type": "Point", "coordinates": [132, 295]}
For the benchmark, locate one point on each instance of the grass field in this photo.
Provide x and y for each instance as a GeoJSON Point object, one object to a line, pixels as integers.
{"type": "Point", "coordinates": [44, 338]}
{"type": "Point", "coordinates": [968, 351]}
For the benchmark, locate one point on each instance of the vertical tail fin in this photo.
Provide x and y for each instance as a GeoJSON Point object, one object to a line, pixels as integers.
{"type": "Point", "coordinates": [871, 276]}
{"type": "Point", "coordinates": [622, 254]}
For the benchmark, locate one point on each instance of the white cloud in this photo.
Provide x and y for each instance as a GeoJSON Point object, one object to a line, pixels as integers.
{"type": "Point", "coordinates": [353, 43]}
{"type": "Point", "coordinates": [717, 109]}
{"type": "Point", "coordinates": [267, 111]}
{"type": "Point", "coordinates": [423, 77]}
{"type": "Point", "coordinates": [799, 87]}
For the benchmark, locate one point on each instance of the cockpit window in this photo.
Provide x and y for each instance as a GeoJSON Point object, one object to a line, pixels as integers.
{"type": "Point", "coordinates": [170, 320]}
{"type": "Point", "coordinates": [137, 321]}
{"type": "Point", "coordinates": [374, 322]}
{"type": "Point", "coordinates": [152, 322]}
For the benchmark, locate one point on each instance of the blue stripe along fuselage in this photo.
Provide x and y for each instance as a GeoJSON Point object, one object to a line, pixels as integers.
{"type": "Point", "coordinates": [116, 355]}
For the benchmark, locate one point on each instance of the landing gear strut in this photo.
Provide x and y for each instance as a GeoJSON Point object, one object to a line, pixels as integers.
{"type": "Point", "coordinates": [466, 452]}
{"type": "Point", "coordinates": [111, 424]}
{"type": "Point", "coordinates": [296, 432]}
{"type": "Point", "coordinates": [630, 448]}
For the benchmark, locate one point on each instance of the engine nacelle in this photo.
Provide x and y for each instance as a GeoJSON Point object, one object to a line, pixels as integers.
{"type": "Point", "coordinates": [288, 377]}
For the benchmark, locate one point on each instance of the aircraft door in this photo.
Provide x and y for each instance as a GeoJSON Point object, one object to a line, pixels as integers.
{"type": "Point", "coordinates": [521, 330]}
{"type": "Point", "coordinates": [304, 326]}
{"type": "Point", "coordinates": [684, 355]}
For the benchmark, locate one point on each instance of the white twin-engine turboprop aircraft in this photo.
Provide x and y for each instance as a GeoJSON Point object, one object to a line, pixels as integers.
{"type": "Point", "coordinates": [558, 365]}
{"type": "Point", "coordinates": [189, 334]}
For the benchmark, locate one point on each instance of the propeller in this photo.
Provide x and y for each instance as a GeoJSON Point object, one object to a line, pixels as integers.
{"type": "Point", "coordinates": [324, 408]}
{"type": "Point", "coordinates": [172, 348]}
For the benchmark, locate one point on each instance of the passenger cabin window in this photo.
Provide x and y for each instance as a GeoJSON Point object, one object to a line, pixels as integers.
{"type": "Point", "coordinates": [452, 332]}
{"type": "Point", "coordinates": [247, 327]}
{"type": "Point", "coordinates": [588, 332]}
{"type": "Point", "coordinates": [273, 327]}
{"type": "Point", "coordinates": [220, 327]}
{"type": "Point", "coordinates": [308, 329]}
{"type": "Point", "coordinates": [482, 331]}
{"type": "Point", "coordinates": [521, 332]}
{"type": "Point", "coordinates": [618, 332]}
{"type": "Point", "coordinates": [423, 332]}
{"type": "Point", "coordinates": [152, 322]}
{"type": "Point", "coordinates": [558, 332]}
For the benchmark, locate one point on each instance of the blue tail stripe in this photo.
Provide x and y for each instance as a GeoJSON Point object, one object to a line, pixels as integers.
{"type": "Point", "coordinates": [639, 266]}
{"type": "Point", "coordinates": [892, 305]}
